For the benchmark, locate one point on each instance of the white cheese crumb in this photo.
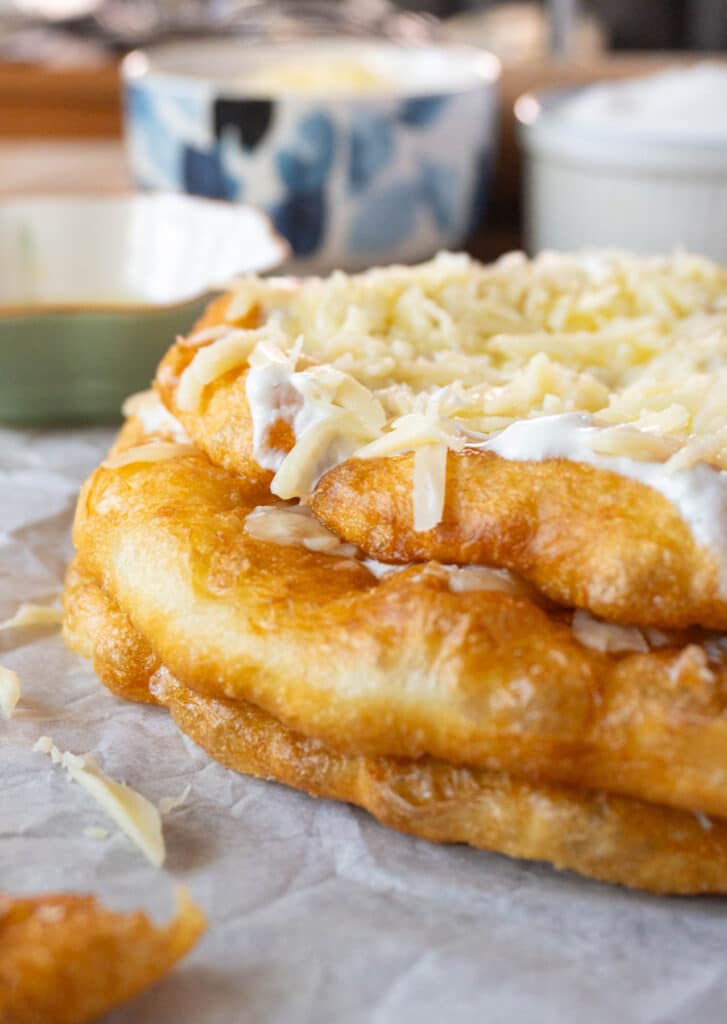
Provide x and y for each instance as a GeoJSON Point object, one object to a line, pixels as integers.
{"type": "Point", "coordinates": [170, 803]}
{"type": "Point", "coordinates": [9, 691]}
{"type": "Point", "coordinates": [703, 820]}
{"type": "Point", "coordinates": [51, 915]}
{"type": "Point", "coordinates": [34, 615]}
{"type": "Point", "coordinates": [132, 812]}
{"type": "Point", "coordinates": [607, 637]}
{"type": "Point", "coordinates": [153, 451]}
{"type": "Point", "coordinates": [94, 832]}
{"type": "Point", "coordinates": [430, 475]}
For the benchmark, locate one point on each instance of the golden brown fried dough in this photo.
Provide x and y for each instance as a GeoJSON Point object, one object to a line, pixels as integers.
{"type": "Point", "coordinates": [97, 630]}
{"type": "Point", "coordinates": [66, 959]}
{"type": "Point", "coordinates": [586, 537]}
{"type": "Point", "coordinates": [400, 666]}
{"type": "Point", "coordinates": [613, 839]}
{"type": "Point", "coordinates": [583, 536]}
{"type": "Point", "coordinates": [222, 426]}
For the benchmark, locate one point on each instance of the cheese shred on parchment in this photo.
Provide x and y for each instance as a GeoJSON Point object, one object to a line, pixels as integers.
{"type": "Point", "coordinates": [9, 691]}
{"type": "Point", "coordinates": [34, 615]}
{"type": "Point", "coordinates": [132, 812]}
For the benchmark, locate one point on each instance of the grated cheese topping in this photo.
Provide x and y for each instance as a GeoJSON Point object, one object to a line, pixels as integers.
{"type": "Point", "coordinates": [9, 691]}
{"type": "Point", "coordinates": [95, 832]}
{"type": "Point", "coordinates": [34, 615]}
{"type": "Point", "coordinates": [430, 474]}
{"type": "Point", "coordinates": [147, 407]}
{"type": "Point", "coordinates": [452, 352]}
{"type": "Point", "coordinates": [132, 812]}
{"type": "Point", "coordinates": [167, 804]}
{"type": "Point", "coordinates": [296, 526]}
{"type": "Point", "coordinates": [607, 637]}
{"type": "Point", "coordinates": [153, 451]}
{"type": "Point", "coordinates": [292, 526]}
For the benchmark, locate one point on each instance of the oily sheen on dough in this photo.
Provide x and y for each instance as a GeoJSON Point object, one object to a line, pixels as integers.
{"type": "Point", "coordinates": [67, 959]}
{"type": "Point", "coordinates": [586, 537]}
{"type": "Point", "coordinates": [614, 839]}
{"type": "Point", "coordinates": [400, 666]}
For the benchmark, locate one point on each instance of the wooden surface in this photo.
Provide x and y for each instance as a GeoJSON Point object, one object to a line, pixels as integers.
{"type": "Point", "coordinates": [37, 102]}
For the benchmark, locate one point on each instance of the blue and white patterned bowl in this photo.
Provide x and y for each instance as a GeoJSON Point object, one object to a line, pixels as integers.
{"type": "Point", "coordinates": [350, 179]}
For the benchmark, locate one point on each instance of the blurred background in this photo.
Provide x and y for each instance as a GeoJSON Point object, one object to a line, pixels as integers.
{"type": "Point", "coordinates": [361, 131]}
{"type": "Point", "coordinates": [60, 97]}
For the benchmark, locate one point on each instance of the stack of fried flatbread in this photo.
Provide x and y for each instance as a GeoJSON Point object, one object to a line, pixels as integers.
{"type": "Point", "coordinates": [445, 542]}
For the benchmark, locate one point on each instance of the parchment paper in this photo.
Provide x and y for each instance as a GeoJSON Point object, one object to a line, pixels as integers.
{"type": "Point", "coordinates": [316, 912]}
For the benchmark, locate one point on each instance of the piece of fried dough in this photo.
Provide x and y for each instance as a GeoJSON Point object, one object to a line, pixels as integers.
{"type": "Point", "coordinates": [586, 536]}
{"type": "Point", "coordinates": [66, 959]}
{"type": "Point", "coordinates": [623, 554]}
{"type": "Point", "coordinates": [402, 665]}
{"type": "Point", "coordinates": [222, 427]}
{"type": "Point", "coordinates": [613, 839]}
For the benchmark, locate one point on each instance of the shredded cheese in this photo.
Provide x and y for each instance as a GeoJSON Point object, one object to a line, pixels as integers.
{"type": "Point", "coordinates": [94, 832]}
{"type": "Point", "coordinates": [34, 615]}
{"type": "Point", "coordinates": [167, 804]}
{"type": "Point", "coordinates": [464, 579]}
{"type": "Point", "coordinates": [9, 691]}
{"type": "Point", "coordinates": [607, 637]}
{"type": "Point", "coordinates": [430, 474]}
{"type": "Point", "coordinates": [147, 407]}
{"type": "Point", "coordinates": [295, 525]}
{"type": "Point", "coordinates": [231, 350]}
{"type": "Point", "coordinates": [153, 451]}
{"type": "Point", "coordinates": [704, 822]}
{"type": "Point", "coordinates": [131, 811]}
{"type": "Point", "coordinates": [453, 352]}
{"type": "Point", "coordinates": [204, 336]}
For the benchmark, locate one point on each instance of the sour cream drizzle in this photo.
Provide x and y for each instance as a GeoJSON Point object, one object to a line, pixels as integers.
{"type": "Point", "coordinates": [147, 407]}
{"type": "Point", "coordinates": [274, 393]}
{"type": "Point", "coordinates": [699, 492]}
{"type": "Point", "coordinates": [334, 417]}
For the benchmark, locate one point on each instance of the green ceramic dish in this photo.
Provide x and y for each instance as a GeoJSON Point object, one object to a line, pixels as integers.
{"type": "Point", "coordinates": [78, 365]}
{"type": "Point", "coordinates": [93, 292]}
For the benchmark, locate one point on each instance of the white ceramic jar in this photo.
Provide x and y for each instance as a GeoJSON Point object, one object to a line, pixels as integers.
{"type": "Point", "coordinates": [638, 165]}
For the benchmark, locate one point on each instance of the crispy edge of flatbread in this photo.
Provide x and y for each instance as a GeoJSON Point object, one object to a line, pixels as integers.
{"type": "Point", "coordinates": [613, 839]}
{"type": "Point", "coordinates": [624, 554]}
{"type": "Point", "coordinates": [67, 959]}
{"type": "Point", "coordinates": [491, 679]}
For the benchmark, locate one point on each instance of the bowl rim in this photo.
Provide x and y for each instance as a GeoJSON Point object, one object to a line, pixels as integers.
{"type": "Point", "coordinates": [136, 306]}
{"type": "Point", "coordinates": [541, 128]}
{"type": "Point", "coordinates": [82, 307]}
{"type": "Point", "coordinates": [138, 66]}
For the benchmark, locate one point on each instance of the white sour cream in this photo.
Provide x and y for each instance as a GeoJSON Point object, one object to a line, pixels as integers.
{"type": "Point", "coordinates": [147, 407]}
{"type": "Point", "coordinates": [274, 393]}
{"type": "Point", "coordinates": [699, 492]}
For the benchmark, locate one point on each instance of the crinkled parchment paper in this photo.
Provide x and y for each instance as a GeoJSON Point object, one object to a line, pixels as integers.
{"type": "Point", "coordinates": [316, 912]}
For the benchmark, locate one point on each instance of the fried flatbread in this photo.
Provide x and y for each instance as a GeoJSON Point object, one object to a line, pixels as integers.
{"type": "Point", "coordinates": [66, 959]}
{"type": "Point", "coordinates": [400, 666]}
{"type": "Point", "coordinates": [622, 553]}
{"type": "Point", "coordinates": [586, 536]}
{"type": "Point", "coordinates": [613, 839]}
